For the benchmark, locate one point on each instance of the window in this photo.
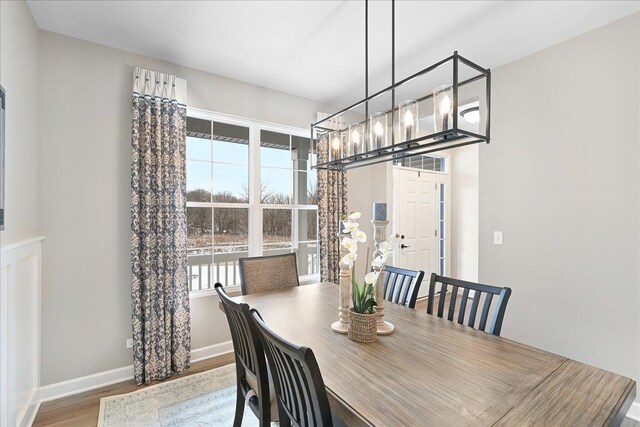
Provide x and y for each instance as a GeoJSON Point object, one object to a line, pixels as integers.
{"type": "Point", "coordinates": [424, 162]}
{"type": "Point", "coordinates": [250, 192]}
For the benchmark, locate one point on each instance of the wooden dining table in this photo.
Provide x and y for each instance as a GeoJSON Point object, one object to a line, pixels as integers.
{"type": "Point", "coordinates": [434, 372]}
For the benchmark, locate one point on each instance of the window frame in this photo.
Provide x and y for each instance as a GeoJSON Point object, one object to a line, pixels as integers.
{"type": "Point", "coordinates": [255, 208]}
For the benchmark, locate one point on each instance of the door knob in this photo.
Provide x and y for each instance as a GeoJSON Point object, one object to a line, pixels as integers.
{"type": "Point", "coordinates": [403, 246]}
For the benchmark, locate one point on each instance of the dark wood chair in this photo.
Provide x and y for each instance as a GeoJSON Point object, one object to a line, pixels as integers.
{"type": "Point", "coordinates": [456, 285]}
{"type": "Point", "coordinates": [401, 286]}
{"type": "Point", "coordinates": [268, 273]}
{"type": "Point", "coordinates": [300, 391]}
{"type": "Point", "coordinates": [251, 367]}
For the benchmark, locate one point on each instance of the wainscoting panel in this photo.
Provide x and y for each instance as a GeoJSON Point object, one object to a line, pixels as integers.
{"type": "Point", "coordinates": [20, 278]}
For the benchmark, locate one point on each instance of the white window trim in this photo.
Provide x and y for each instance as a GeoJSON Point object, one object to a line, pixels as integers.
{"type": "Point", "coordinates": [255, 240]}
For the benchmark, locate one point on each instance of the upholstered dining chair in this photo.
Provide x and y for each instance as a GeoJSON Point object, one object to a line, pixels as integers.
{"type": "Point", "coordinates": [300, 391]}
{"type": "Point", "coordinates": [252, 375]}
{"type": "Point", "coordinates": [268, 273]}
{"type": "Point", "coordinates": [401, 286]}
{"type": "Point", "coordinates": [495, 325]}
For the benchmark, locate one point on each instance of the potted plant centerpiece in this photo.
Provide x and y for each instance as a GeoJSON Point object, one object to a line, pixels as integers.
{"type": "Point", "coordinates": [362, 315]}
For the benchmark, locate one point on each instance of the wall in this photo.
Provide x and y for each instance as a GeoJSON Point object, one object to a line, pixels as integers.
{"type": "Point", "coordinates": [561, 180]}
{"type": "Point", "coordinates": [19, 77]}
{"type": "Point", "coordinates": [464, 210]}
{"type": "Point", "coordinates": [21, 250]}
{"type": "Point", "coordinates": [84, 187]}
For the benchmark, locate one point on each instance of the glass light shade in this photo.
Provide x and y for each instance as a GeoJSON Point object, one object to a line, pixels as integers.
{"type": "Point", "coordinates": [471, 115]}
{"type": "Point", "coordinates": [356, 143]}
{"type": "Point", "coordinates": [335, 145]}
{"type": "Point", "coordinates": [378, 134]}
{"type": "Point", "coordinates": [442, 108]}
{"type": "Point", "coordinates": [408, 115]}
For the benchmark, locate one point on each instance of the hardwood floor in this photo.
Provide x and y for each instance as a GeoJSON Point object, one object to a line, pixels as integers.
{"type": "Point", "coordinates": [82, 409]}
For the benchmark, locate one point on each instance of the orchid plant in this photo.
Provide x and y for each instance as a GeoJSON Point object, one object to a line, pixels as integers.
{"type": "Point", "coordinates": [363, 295]}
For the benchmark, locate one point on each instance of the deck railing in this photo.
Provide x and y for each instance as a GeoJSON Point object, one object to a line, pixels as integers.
{"type": "Point", "coordinates": [204, 271]}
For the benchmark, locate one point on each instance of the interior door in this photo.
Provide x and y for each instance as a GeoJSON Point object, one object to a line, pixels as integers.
{"type": "Point", "coordinates": [415, 204]}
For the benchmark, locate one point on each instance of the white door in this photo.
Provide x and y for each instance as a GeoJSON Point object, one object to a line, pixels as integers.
{"type": "Point", "coordinates": [415, 216]}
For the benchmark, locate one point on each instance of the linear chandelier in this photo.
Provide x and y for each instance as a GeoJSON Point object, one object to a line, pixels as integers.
{"type": "Point", "coordinates": [451, 109]}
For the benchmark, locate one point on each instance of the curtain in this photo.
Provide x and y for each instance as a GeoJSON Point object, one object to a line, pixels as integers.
{"type": "Point", "coordinates": [332, 204]}
{"type": "Point", "coordinates": [159, 287]}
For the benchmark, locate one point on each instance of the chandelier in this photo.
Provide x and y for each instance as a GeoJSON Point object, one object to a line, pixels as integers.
{"type": "Point", "coordinates": [444, 106]}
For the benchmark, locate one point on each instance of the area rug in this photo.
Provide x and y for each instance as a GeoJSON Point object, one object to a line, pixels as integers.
{"type": "Point", "coordinates": [204, 399]}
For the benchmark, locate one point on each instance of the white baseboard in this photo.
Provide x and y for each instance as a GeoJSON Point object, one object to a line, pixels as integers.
{"type": "Point", "coordinates": [634, 411]}
{"type": "Point", "coordinates": [211, 351]}
{"type": "Point", "coordinates": [102, 379]}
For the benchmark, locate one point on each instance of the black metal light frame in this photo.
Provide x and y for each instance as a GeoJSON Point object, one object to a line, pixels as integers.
{"type": "Point", "coordinates": [438, 141]}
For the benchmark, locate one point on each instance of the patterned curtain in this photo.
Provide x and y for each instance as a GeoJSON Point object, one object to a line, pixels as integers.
{"type": "Point", "coordinates": [159, 287]}
{"type": "Point", "coordinates": [332, 204]}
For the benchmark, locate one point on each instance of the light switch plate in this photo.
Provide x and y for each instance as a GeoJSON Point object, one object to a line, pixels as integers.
{"type": "Point", "coordinates": [129, 342]}
{"type": "Point", "coordinates": [497, 237]}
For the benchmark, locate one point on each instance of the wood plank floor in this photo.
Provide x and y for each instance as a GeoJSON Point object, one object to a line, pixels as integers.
{"type": "Point", "coordinates": [82, 409]}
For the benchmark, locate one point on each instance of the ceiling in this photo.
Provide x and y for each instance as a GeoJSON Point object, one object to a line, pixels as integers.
{"type": "Point", "coordinates": [315, 49]}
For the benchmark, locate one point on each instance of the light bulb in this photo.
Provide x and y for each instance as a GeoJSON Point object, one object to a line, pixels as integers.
{"type": "Point", "coordinates": [377, 128]}
{"type": "Point", "coordinates": [445, 105]}
{"type": "Point", "coordinates": [355, 137]}
{"type": "Point", "coordinates": [335, 143]}
{"type": "Point", "coordinates": [408, 118]}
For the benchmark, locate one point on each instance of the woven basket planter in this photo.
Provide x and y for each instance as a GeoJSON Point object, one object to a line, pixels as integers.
{"type": "Point", "coordinates": [362, 327]}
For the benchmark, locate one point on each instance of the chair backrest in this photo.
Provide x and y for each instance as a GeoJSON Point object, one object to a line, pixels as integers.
{"type": "Point", "coordinates": [300, 390]}
{"type": "Point", "coordinates": [268, 273]}
{"type": "Point", "coordinates": [401, 286]}
{"type": "Point", "coordinates": [247, 344]}
{"type": "Point", "coordinates": [455, 285]}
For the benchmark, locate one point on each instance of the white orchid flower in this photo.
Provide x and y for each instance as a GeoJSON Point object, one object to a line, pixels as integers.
{"type": "Point", "coordinates": [350, 244]}
{"type": "Point", "coordinates": [385, 247]}
{"type": "Point", "coordinates": [378, 262]}
{"type": "Point", "coordinates": [350, 227]}
{"type": "Point", "coordinates": [359, 236]}
{"type": "Point", "coordinates": [354, 215]}
{"type": "Point", "coordinates": [349, 258]}
{"type": "Point", "coordinates": [370, 277]}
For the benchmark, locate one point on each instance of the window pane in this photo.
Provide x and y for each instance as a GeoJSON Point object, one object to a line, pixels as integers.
{"type": "Point", "coordinates": [308, 258]}
{"type": "Point", "coordinates": [276, 228]}
{"type": "Point", "coordinates": [230, 183]}
{"type": "Point", "coordinates": [275, 149]}
{"type": "Point", "coordinates": [198, 178]}
{"type": "Point", "coordinates": [276, 186]}
{"type": "Point", "coordinates": [312, 187]}
{"type": "Point", "coordinates": [307, 222]}
{"type": "Point", "coordinates": [198, 148]}
{"type": "Point", "coordinates": [231, 152]}
{"type": "Point", "coordinates": [231, 228]}
{"type": "Point", "coordinates": [199, 231]}
{"type": "Point", "coordinates": [199, 249]}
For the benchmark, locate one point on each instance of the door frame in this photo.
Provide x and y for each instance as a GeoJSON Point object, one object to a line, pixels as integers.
{"type": "Point", "coordinates": [439, 178]}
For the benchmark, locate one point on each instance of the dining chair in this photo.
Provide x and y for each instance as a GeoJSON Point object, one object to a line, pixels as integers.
{"type": "Point", "coordinates": [252, 375]}
{"type": "Point", "coordinates": [300, 391]}
{"type": "Point", "coordinates": [401, 286]}
{"type": "Point", "coordinates": [268, 273]}
{"type": "Point", "coordinates": [478, 289]}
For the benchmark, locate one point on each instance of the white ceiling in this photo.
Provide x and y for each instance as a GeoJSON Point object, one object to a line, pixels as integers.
{"type": "Point", "coordinates": [315, 49]}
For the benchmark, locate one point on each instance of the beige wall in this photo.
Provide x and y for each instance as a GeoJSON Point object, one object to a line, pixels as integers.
{"type": "Point", "coordinates": [464, 172]}
{"type": "Point", "coordinates": [561, 180]}
{"type": "Point", "coordinates": [85, 94]}
{"type": "Point", "coordinates": [19, 77]}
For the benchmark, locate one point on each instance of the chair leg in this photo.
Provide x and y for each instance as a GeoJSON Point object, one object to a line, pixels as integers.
{"type": "Point", "coordinates": [284, 420]}
{"type": "Point", "coordinates": [265, 416]}
{"type": "Point", "coordinates": [237, 420]}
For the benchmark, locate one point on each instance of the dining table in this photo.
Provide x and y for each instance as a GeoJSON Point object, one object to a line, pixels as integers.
{"type": "Point", "coordinates": [435, 372]}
